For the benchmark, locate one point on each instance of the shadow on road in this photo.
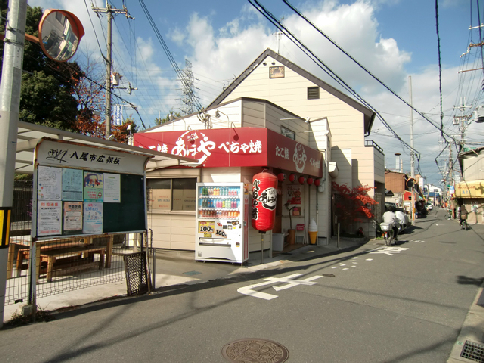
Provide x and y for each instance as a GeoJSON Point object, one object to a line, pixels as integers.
{"type": "Point", "coordinates": [464, 280]}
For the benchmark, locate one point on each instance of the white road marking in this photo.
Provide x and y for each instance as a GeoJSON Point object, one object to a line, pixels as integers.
{"type": "Point", "coordinates": [388, 250]}
{"type": "Point", "coordinates": [288, 280]}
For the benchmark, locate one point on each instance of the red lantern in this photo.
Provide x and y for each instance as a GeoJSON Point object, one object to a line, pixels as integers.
{"type": "Point", "coordinates": [301, 180]}
{"type": "Point", "coordinates": [317, 182]}
{"type": "Point", "coordinates": [281, 176]}
{"type": "Point", "coordinates": [292, 177]}
{"type": "Point", "coordinates": [264, 200]}
{"type": "Point", "coordinates": [310, 181]}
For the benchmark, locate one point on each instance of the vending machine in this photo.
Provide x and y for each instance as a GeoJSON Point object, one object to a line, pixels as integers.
{"type": "Point", "coordinates": [222, 222]}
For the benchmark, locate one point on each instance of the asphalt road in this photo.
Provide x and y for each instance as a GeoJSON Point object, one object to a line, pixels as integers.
{"type": "Point", "coordinates": [404, 303]}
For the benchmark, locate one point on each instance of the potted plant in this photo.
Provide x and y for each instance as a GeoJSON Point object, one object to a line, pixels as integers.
{"type": "Point", "coordinates": [291, 237]}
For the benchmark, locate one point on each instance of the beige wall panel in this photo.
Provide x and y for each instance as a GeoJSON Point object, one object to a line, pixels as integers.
{"type": "Point", "coordinates": [220, 175]}
{"type": "Point", "coordinates": [159, 221]}
{"type": "Point", "coordinates": [184, 246]}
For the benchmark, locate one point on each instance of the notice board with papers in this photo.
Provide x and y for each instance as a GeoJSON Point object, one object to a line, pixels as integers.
{"type": "Point", "coordinates": [84, 190]}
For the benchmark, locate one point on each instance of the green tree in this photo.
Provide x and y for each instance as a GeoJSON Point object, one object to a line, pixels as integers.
{"type": "Point", "coordinates": [170, 116]}
{"type": "Point", "coordinates": [47, 91]}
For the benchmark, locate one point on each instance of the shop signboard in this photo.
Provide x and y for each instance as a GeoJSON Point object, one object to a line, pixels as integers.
{"type": "Point", "coordinates": [236, 147]}
{"type": "Point", "coordinates": [469, 190]}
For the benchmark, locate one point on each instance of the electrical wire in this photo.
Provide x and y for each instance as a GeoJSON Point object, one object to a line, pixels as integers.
{"type": "Point", "coordinates": [440, 67]}
{"type": "Point", "coordinates": [269, 16]}
{"type": "Point", "coordinates": [181, 75]}
{"type": "Point", "coordinates": [360, 65]}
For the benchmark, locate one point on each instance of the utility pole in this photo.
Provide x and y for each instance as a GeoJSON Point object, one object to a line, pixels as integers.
{"type": "Point", "coordinates": [462, 121]}
{"type": "Point", "coordinates": [412, 155]}
{"type": "Point", "coordinates": [9, 114]}
{"type": "Point", "coordinates": [109, 10]}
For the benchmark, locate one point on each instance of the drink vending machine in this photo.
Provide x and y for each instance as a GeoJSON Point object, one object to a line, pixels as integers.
{"type": "Point", "coordinates": [222, 222]}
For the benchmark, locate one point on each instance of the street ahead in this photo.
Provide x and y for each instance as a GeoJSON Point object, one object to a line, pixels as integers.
{"type": "Point", "coordinates": [404, 303]}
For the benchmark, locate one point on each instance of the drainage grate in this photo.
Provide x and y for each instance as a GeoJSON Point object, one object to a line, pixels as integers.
{"type": "Point", "coordinates": [473, 351]}
{"type": "Point", "coordinates": [255, 351]}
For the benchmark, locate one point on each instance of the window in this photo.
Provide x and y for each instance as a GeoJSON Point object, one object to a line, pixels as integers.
{"type": "Point", "coordinates": [288, 133]}
{"type": "Point", "coordinates": [313, 93]}
{"type": "Point", "coordinates": [276, 72]}
{"type": "Point", "coordinates": [176, 194]}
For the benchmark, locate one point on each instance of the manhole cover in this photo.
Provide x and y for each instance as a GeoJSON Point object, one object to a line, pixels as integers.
{"type": "Point", "coordinates": [255, 351]}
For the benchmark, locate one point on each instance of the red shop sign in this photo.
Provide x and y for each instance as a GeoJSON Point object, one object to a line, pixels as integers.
{"type": "Point", "coordinates": [246, 146]}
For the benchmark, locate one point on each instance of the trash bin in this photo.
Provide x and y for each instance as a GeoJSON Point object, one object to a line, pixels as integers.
{"type": "Point", "coordinates": [277, 242]}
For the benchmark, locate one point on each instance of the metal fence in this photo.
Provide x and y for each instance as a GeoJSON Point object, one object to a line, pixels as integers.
{"type": "Point", "coordinates": [63, 265]}
{"type": "Point", "coordinates": [59, 265]}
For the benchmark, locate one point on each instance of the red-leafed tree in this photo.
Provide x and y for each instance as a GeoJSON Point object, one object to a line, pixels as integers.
{"type": "Point", "coordinates": [352, 205]}
{"type": "Point", "coordinates": [90, 97]}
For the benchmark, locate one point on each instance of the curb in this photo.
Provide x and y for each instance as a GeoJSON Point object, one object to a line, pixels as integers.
{"type": "Point", "coordinates": [471, 330]}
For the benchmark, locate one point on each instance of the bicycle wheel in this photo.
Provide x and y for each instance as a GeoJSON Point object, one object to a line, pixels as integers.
{"type": "Point", "coordinates": [387, 239]}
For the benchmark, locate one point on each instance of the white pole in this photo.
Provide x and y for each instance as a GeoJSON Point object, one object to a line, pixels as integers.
{"type": "Point", "coordinates": [9, 114]}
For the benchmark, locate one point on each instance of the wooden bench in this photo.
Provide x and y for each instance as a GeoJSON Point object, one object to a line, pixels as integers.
{"type": "Point", "coordinates": [73, 258]}
{"type": "Point", "coordinates": [71, 254]}
{"type": "Point", "coordinates": [67, 258]}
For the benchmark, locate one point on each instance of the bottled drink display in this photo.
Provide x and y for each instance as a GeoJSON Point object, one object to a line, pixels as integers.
{"type": "Point", "coordinates": [218, 202]}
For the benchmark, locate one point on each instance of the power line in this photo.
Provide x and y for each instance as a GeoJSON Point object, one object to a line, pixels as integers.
{"type": "Point", "coordinates": [361, 66]}
{"type": "Point", "coordinates": [181, 75]}
{"type": "Point", "coordinates": [269, 16]}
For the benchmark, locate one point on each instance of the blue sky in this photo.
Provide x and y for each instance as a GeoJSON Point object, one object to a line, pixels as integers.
{"type": "Point", "coordinates": [394, 39]}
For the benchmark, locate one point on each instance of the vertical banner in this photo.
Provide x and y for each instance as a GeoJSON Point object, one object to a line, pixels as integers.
{"type": "Point", "coordinates": [117, 115]}
{"type": "Point", "coordinates": [4, 227]}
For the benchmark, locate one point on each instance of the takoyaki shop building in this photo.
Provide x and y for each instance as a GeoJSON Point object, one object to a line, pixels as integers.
{"type": "Point", "coordinates": [232, 143]}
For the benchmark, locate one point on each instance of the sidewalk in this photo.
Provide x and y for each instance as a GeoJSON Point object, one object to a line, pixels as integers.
{"type": "Point", "coordinates": [179, 267]}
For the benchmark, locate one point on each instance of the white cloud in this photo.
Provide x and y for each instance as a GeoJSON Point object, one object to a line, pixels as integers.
{"type": "Point", "coordinates": [222, 52]}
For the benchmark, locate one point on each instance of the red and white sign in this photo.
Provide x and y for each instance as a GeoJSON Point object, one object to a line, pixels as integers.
{"type": "Point", "coordinates": [246, 146]}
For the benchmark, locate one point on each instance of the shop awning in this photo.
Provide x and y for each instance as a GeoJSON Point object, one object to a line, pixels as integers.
{"type": "Point", "coordinates": [236, 147]}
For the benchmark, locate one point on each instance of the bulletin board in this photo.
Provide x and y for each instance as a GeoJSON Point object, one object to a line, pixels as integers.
{"type": "Point", "coordinates": [83, 190]}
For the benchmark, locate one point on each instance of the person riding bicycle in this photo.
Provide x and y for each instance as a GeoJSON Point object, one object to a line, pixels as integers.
{"type": "Point", "coordinates": [389, 217]}
{"type": "Point", "coordinates": [462, 214]}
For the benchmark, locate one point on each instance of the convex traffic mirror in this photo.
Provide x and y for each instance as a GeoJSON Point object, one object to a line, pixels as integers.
{"type": "Point", "coordinates": [60, 33]}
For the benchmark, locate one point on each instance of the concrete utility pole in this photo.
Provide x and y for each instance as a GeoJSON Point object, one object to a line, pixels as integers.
{"type": "Point", "coordinates": [9, 114]}
{"type": "Point", "coordinates": [109, 10]}
{"type": "Point", "coordinates": [412, 155]}
{"type": "Point", "coordinates": [462, 121]}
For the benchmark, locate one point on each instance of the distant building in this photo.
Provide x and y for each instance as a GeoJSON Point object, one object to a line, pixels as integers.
{"type": "Point", "coordinates": [470, 191]}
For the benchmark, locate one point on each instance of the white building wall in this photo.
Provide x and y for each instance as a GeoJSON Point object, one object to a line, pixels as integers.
{"type": "Point", "coordinates": [345, 122]}
{"type": "Point", "coordinates": [177, 230]}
